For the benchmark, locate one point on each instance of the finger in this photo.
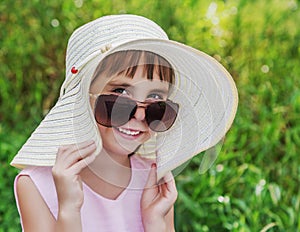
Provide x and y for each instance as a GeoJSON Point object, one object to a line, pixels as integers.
{"type": "Point", "coordinates": [68, 155]}
{"type": "Point", "coordinates": [61, 168]}
{"type": "Point", "coordinates": [170, 181]}
{"type": "Point", "coordinates": [168, 194]}
{"type": "Point", "coordinates": [165, 200]}
{"type": "Point", "coordinates": [85, 156]}
{"type": "Point", "coordinates": [152, 177]}
{"type": "Point", "coordinates": [170, 186]}
{"type": "Point", "coordinates": [82, 152]}
{"type": "Point", "coordinates": [169, 177]}
{"type": "Point", "coordinates": [151, 187]}
{"type": "Point", "coordinates": [72, 147]}
{"type": "Point", "coordinates": [77, 145]}
{"type": "Point", "coordinates": [77, 167]}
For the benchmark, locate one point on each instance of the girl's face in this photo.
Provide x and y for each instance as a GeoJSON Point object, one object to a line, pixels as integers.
{"type": "Point", "coordinates": [125, 139]}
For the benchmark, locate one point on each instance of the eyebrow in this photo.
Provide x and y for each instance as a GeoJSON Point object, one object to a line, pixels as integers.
{"type": "Point", "coordinates": [127, 85]}
{"type": "Point", "coordinates": [119, 84]}
{"type": "Point", "coordinates": [160, 91]}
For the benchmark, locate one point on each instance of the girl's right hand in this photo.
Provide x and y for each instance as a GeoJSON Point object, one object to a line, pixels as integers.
{"type": "Point", "coordinates": [70, 160]}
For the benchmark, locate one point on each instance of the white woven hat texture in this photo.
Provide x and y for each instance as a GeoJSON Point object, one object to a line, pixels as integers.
{"type": "Point", "coordinates": [205, 91]}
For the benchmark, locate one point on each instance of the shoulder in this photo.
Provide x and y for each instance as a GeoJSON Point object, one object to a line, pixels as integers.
{"type": "Point", "coordinates": [31, 204]}
{"type": "Point", "coordinates": [31, 177]}
{"type": "Point", "coordinates": [37, 183]}
{"type": "Point", "coordinates": [34, 182]}
{"type": "Point", "coordinates": [23, 184]}
{"type": "Point", "coordinates": [38, 177]}
{"type": "Point", "coordinates": [35, 172]}
{"type": "Point", "coordinates": [26, 192]}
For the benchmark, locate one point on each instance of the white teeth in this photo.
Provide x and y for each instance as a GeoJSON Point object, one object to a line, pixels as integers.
{"type": "Point", "coordinates": [128, 132]}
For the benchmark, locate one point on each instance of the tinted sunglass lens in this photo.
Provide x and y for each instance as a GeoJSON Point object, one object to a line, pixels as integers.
{"type": "Point", "coordinates": [102, 111]}
{"type": "Point", "coordinates": [113, 110]}
{"type": "Point", "coordinates": [161, 115]}
{"type": "Point", "coordinates": [154, 114]}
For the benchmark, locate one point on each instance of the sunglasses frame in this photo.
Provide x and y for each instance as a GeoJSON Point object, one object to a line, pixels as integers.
{"type": "Point", "coordinates": [174, 106]}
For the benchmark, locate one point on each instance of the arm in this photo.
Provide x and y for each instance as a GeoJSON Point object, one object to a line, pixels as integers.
{"type": "Point", "coordinates": [35, 214]}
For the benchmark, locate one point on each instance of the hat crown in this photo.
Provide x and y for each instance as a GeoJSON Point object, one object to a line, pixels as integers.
{"type": "Point", "coordinates": [105, 32]}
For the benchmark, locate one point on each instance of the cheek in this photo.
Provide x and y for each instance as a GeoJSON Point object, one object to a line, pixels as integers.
{"type": "Point", "coordinates": [107, 136]}
{"type": "Point", "coordinates": [104, 131]}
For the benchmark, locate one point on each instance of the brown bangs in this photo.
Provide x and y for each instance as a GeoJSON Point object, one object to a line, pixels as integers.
{"type": "Point", "coordinates": [127, 62]}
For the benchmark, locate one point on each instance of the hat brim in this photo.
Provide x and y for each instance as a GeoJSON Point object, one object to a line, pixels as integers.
{"type": "Point", "coordinates": [70, 121]}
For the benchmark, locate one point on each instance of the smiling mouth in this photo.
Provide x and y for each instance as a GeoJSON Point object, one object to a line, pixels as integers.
{"type": "Point", "coordinates": [129, 132]}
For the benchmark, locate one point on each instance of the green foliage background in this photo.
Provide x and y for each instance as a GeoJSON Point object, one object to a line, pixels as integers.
{"type": "Point", "coordinates": [254, 183]}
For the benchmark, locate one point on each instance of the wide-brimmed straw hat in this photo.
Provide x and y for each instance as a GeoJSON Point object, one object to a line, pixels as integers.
{"type": "Point", "coordinates": [204, 90]}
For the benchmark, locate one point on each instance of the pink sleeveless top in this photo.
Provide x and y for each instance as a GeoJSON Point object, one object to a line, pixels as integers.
{"type": "Point", "coordinates": [99, 213]}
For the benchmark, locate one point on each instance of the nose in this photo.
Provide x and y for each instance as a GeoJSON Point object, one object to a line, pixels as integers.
{"type": "Point", "coordinates": [140, 113]}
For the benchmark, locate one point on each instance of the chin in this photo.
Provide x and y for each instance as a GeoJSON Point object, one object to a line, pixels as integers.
{"type": "Point", "coordinates": [118, 148]}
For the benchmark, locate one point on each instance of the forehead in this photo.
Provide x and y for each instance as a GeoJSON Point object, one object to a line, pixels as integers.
{"type": "Point", "coordinates": [129, 62]}
{"type": "Point", "coordinates": [139, 82]}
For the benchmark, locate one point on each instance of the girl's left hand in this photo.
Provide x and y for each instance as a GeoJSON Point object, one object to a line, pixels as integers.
{"type": "Point", "coordinates": [157, 202]}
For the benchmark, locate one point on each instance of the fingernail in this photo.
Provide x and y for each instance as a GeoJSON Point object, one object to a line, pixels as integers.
{"type": "Point", "coordinates": [153, 165]}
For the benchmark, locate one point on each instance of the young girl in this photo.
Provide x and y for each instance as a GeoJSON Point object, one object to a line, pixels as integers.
{"type": "Point", "coordinates": [83, 168]}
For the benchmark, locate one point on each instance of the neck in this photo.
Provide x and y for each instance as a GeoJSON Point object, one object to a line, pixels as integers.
{"type": "Point", "coordinates": [111, 168]}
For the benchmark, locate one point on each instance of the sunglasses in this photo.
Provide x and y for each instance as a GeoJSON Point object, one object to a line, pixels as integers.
{"type": "Point", "coordinates": [115, 110]}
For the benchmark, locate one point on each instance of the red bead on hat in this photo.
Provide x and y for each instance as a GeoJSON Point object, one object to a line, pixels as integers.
{"type": "Point", "coordinates": [74, 70]}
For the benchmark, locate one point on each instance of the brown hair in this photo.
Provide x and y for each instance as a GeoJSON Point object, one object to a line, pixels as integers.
{"type": "Point", "coordinates": [127, 62]}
